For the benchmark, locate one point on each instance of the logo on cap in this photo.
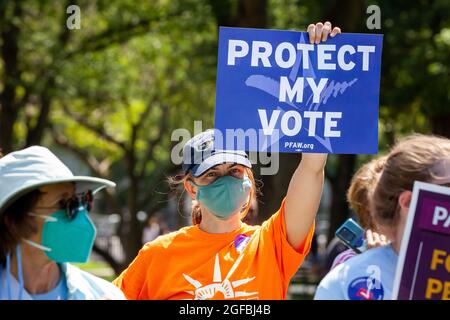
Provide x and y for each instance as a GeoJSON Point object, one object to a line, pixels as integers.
{"type": "Point", "coordinates": [205, 145]}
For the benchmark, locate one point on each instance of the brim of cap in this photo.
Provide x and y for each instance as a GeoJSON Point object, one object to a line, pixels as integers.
{"type": "Point", "coordinates": [82, 184]}
{"type": "Point", "coordinates": [220, 158]}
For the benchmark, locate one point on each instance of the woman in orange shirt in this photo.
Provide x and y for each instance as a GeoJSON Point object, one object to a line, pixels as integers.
{"type": "Point", "coordinates": [220, 257]}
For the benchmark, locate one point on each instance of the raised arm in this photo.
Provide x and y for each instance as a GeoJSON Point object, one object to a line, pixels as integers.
{"type": "Point", "coordinates": [305, 189]}
{"type": "Point", "coordinates": [303, 197]}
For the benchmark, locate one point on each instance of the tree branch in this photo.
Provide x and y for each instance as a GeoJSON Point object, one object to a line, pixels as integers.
{"type": "Point", "coordinates": [152, 144]}
{"type": "Point", "coordinates": [9, 35]}
{"type": "Point", "coordinates": [98, 130]}
{"type": "Point", "coordinates": [117, 266]}
{"type": "Point", "coordinates": [157, 175]}
{"type": "Point", "coordinates": [118, 35]}
{"type": "Point", "coordinates": [34, 135]}
{"type": "Point", "coordinates": [83, 155]}
{"type": "Point", "coordinates": [144, 115]}
{"type": "Point", "coordinates": [100, 169]}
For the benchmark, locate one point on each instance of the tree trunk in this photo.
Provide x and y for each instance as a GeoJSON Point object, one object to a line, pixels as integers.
{"type": "Point", "coordinates": [249, 13]}
{"type": "Point", "coordinates": [346, 14]}
{"type": "Point", "coordinates": [339, 210]}
{"type": "Point", "coordinates": [36, 133]}
{"type": "Point", "coordinates": [440, 125]}
{"type": "Point", "coordinates": [117, 267]}
{"type": "Point", "coordinates": [9, 52]}
{"type": "Point", "coordinates": [275, 187]}
{"type": "Point", "coordinates": [131, 235]}
{"type": "Point", "coordinates": [8, 117]}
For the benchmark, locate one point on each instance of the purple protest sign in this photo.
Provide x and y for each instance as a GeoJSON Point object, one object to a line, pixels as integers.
{"type": "Point", "coordinates": [423, 269]}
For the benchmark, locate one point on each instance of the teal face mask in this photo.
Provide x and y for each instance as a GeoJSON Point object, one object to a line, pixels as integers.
{"type": "Point", "coordinates": [67, 240]}
{"type": "Point", "coordinates": [224, 196]}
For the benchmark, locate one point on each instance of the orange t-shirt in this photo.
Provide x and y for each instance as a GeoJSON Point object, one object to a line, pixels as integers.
{"type": "Point", "coordinates": [252, 262]}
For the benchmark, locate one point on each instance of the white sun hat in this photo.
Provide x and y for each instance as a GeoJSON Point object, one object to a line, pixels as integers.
{"type": "Point", "coordinates": [28, 169]}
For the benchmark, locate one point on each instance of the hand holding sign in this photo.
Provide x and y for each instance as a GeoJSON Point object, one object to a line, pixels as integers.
{"type": "Point", "coordinates": [321, 31]}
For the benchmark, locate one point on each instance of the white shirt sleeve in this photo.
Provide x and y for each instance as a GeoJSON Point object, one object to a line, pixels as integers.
{"type": "Point", "coordinates": [330, 288]}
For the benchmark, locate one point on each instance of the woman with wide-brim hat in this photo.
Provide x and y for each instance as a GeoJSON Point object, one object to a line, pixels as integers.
{"type": "Point", "coordinates": [44, 225]}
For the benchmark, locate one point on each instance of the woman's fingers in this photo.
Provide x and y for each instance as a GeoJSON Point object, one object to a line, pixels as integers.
{"type": "Point", "coordinates": [369, 238]}
{"type": "Point", "coordinates": [376, 239]}
{"type": "Point", "coordinates": [319, 28]}
{"type": "Point", "coordinates": [320, 31]}
{"type": "Point", "coordinates": [335, 31]}
{"type": "Point", "coordinates": [312, 33]}
{"type": "Point", "coordinates": [326, 30]}
{"type": "Point", "coordinates": [383, 240]}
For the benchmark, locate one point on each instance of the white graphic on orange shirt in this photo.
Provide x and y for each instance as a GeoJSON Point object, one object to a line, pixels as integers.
{"type": "Point", "coordinates": [225, 287]}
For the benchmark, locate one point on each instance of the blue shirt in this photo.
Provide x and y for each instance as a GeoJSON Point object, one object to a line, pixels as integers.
{"type": "Point", "coordinates": [57, 293]}
{"type": "Point", "coordinates": [367, 276]}
{"type": "Point", "coordinates": [80, 285]}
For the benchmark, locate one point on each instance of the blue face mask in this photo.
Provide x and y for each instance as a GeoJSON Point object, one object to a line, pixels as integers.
{"type": "Point", "coordinates": [65, 239]}
{"type": "Point", "coordinates": [224, 196]}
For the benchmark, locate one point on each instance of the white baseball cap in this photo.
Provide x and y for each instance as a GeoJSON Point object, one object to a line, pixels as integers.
{"type": "Point", "coordinates": [28, 169]}
{"type": "Point", "coordinates": [200, 154]}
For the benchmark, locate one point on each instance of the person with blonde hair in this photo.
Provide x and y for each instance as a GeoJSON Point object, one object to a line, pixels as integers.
{"type": "Point", "coordinates": [370, 275]}
{"type": "Point", "coordinates": [359, 197]}
{"type": "Point", "coordinates": [361, 189]}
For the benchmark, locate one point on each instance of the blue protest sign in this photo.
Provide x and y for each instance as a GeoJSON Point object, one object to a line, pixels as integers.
{"type": "Point", "coordinates": [292, 96]}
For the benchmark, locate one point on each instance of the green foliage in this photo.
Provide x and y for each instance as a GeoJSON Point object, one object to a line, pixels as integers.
{"type": "Point", "coordinates": [166, 67]}
{"type": "Point", "coordinates": [137, 70]}
{"type": "Point", "coordinates": [129, 54]}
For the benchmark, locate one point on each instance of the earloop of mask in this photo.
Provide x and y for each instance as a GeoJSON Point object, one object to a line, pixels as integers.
{"type": "Point", "coordinates": [37, 245]}
{"type": "Point", "coordinates": [34, 244]}
{"type": "Point", "coordinates": [47, 218]}
{"type": "Point", "coordinates": [8, 276]}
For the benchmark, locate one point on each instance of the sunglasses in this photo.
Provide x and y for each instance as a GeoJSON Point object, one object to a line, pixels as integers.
{"type": "Point", "coordinates": [72, 205]}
